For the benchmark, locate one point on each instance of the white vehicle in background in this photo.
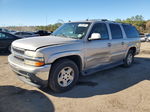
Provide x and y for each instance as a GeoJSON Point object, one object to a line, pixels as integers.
{"type": "Point", "coordinates": [148, 38]}
{"type": "Point", "coordinates": [143, 38]}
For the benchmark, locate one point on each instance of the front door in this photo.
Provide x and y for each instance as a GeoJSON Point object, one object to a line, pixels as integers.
{"type": "Point", "coordinates": [98, 51]}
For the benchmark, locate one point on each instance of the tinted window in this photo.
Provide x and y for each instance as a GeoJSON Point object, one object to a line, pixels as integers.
{"type": "Point", "coordinates": [2, 36]}
{"type": "Point", "coordinates": [7, 36]}
{"type": "Point", "coordinates": [131, 31]}
{"type": "Point", "coordinates": [18, 33]}
{"type": "Point", "coordinates": [25, 33]}
{"type": "Point", "coordinates": [101, 29]}
{"type": "Point", "coordinates": [116, 31]}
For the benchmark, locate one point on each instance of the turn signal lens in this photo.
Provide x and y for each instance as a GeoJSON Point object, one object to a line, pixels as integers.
{"type": "Point", "coordinates": [34, 63]}
{"type": "Point", "coordinates": [39, 63]}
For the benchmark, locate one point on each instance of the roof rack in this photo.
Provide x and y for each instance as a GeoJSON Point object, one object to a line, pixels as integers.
{"type": "Point", "coordinates": [104, 20]}
{"type": "Point", "coordinates": [97, 20]}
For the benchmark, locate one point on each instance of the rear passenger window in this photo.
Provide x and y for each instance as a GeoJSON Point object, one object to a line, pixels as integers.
{"type": "Point", "coordinates": [116, 31]}
{"type": "Point", "coordinates": [101, 29]}
{"type": "Point", "coordinates": [131, 31]}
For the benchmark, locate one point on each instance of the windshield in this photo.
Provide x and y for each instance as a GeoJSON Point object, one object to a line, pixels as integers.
{"type": "Point", "coordinates": [72, 30]}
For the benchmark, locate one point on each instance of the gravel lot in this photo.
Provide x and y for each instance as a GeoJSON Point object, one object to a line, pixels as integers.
{"type": "Point", "coordinates": [115, 90]}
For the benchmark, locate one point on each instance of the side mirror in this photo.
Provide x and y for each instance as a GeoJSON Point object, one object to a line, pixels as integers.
{"type": "Point", "coordinates": [95, 36]}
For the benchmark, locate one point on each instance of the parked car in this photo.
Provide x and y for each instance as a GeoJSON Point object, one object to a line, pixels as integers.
{"type": "Point", "coordinates": [12, 32]}
{"type": "Point", "coordinates": [42, 33]}
{"type": "Point", "coordinates": [4, 30]}
{"type": "Point", "coordinates": [143, 37]}
{"type": "Point", "coordinates": [25, 34]}
{"type": "Point", "coordinates": [6, 39]}
{"type": "Point", "coordinates": [74, 49]}
{"type": "Point", "coordinates": [148, 37]}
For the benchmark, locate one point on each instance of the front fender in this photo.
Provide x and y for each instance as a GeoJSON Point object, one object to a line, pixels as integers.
{"type": "Point", "coordinates": [54, 57]}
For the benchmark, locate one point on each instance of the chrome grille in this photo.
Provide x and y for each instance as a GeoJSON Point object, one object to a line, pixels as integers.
{"type": "Point", "coordinates": [17, 57]}
{"type": "Point", "coordinates": [18, 53]}
{"type": "Point", "coordinates": [18, 50]}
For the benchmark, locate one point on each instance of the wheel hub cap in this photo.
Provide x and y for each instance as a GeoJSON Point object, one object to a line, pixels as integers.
{"type": "Point", "coordinates": [66, 76]}
{"type": "Point", "coordinates": [130, 58]}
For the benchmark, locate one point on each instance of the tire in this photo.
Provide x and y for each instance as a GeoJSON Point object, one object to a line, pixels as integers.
{"type": "Point", "coordinates": [128, 61]}
{"type": "Point", "coordinates": [63, 75]}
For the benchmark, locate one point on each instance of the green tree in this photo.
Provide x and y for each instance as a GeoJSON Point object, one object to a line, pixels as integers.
{"type": "Point", "coordinates": [138, 21]}
{"type": "Point", "coordinates": [148, 26]}
{"type": "Point", "coordinates": [118, 20]}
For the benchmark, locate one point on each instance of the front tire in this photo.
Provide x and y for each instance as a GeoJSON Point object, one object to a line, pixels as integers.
{"type": "Point", "coordinates": [128, 61]}
{"type": "Point", "coordinates": [63, 75]}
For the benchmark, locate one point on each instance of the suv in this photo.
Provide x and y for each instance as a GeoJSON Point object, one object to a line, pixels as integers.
{"type": "Point", "coordinates": [74, 49]}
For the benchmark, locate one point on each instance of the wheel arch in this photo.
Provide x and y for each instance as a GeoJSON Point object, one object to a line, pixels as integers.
{"type": "Point", "coordinates": [133, 48]}
{"type": "Point", "coordinates": [75, 58]}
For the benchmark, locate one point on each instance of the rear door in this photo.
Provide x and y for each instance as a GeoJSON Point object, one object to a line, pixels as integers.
{"type": "Point", "coordinates": [117, 43]}
{"type": "Point", "coordinates": [98, 51]}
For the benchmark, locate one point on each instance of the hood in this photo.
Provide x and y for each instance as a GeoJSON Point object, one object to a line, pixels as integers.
{"type": "Point", "coordinates": [34, 43]}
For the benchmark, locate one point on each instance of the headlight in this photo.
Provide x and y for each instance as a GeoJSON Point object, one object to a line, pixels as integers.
{"type": "Point", "coordinates": [34, 58]}
{"type": "Point", "coordinates": [33, 54]}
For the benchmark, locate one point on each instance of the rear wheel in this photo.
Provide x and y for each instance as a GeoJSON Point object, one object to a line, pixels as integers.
{"type": "Point", "coordinates": [63, 76]}
{"type": "Point", "coordinates": [128, 61]}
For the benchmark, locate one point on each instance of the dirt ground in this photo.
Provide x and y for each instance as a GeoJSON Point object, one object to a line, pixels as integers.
{"type": "Point", "coordinates": [115, 90]}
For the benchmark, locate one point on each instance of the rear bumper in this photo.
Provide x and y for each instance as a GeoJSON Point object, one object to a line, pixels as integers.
{"type": "Point", "coordinates": [35, 76]}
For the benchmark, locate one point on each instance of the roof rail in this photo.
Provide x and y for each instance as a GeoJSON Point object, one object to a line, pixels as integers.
{"type": "Point", "coordinates": [104, 20]}
{"type": "Point", "coordinates": [97, 20]}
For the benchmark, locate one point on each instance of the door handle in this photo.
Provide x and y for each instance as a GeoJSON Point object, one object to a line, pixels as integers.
{"type": "Point", "coordinates": [122, 43]}
{"type": "Point", "coordinates": [109, 44]}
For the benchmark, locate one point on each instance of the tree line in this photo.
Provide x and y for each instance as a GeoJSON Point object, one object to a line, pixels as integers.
{"type": "Point", "coordinates": [138, 21]}
{"type": "Point", "coordinates": [49, 28]}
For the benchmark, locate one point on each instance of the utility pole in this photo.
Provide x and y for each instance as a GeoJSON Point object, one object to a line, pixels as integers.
{"type": "Point", "coordinates": [46, 23]}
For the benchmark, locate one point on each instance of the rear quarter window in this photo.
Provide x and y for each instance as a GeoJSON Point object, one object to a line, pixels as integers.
{"type": "Point", "coordinates": [131, 31]}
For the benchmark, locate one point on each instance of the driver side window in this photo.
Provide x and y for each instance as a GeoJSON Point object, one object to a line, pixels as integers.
{"type": "Point", "coordinates": [101, 28]}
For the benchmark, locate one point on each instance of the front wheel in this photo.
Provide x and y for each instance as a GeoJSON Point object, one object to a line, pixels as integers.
{"type": "Point", "coordinates": [63, 76]}
{"type": "Point", "coordinates": [128, 61]}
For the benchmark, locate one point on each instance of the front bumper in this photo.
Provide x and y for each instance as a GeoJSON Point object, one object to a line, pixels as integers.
{"type": "Point", "coordinates": [35, 76]}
